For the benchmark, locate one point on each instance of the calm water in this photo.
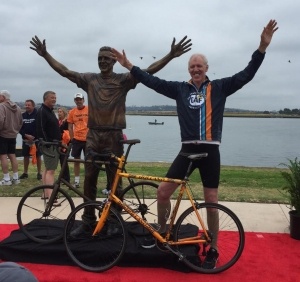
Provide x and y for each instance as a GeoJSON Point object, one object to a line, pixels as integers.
{"type": "Point", "coordinates": [253, 142]}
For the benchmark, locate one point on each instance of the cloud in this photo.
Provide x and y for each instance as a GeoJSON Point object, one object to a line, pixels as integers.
{"type": "Point", "coordinates": [227, 32]}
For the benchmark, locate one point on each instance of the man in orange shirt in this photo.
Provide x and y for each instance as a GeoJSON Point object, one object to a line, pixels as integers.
{"type": "Point", "coordinates": [78, 120]}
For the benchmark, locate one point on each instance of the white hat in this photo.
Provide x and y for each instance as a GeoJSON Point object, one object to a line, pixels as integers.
{"type": "Point", "coordinates": [78, 95]}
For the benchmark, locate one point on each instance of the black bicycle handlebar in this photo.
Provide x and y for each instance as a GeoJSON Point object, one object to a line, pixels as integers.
{"type": "Point", "coordinates": [100, 158]}
{"type": "Point", "coordinates": [130, 142]}
{"type": "Point", "coordinates": [58, 145]}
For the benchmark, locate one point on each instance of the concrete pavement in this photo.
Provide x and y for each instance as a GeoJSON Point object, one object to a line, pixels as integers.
{"type": "Point", "coordinates": [255, 217]}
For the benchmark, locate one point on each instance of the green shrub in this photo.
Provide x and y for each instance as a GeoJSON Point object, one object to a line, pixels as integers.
{"type": "Point", "coordinates": [292, 187]}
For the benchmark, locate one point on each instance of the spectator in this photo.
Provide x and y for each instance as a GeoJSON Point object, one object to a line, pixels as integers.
{"type": "Point", "coordinates": [10, 125]}
{"type": "Point", "coordinates": [78, 128]}
{"type": "Point", "coordinates": [65, 137]}
{"type": "Point", "coordinates": [28, 133]}
{"type": "Point", "coordinates": [47, 128]}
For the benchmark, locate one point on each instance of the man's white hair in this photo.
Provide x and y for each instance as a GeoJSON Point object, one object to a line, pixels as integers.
{"type": "Point", "coordinates": [5, 93]}
{"type": "Point", "coordinates": [203, 57]}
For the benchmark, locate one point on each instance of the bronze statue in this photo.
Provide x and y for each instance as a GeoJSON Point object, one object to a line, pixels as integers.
{"type": "Point", "coordinates": [106, 93]}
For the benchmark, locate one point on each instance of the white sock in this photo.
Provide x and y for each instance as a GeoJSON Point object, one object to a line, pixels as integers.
{"type": "Point", "coordinates": [77, 178]}
{"type": "Point", "coordinates": [16, 175]}
{"type": "Point", "coordinates": [6, 176]}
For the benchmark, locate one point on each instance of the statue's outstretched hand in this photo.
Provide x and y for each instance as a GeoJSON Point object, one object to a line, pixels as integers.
{"type": "Point", "coordinates": [181, 47]}
{"type": "Point", "coordinates": [38, 46]}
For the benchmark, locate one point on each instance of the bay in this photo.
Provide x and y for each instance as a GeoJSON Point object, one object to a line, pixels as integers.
{"type": "Point", "coordinates": [250, 142]}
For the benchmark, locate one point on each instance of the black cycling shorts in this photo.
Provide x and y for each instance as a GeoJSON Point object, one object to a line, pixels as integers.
{"type": "Point", "coordinates": [209, 167]}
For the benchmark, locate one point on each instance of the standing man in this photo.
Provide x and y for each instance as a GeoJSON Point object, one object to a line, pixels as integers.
{"type": "Point", "coordinates": [107, 93]}
{"type": "Point", "coordinates": [28, 133]}
{"type": "Point", "coordinates": [200, 106]}
{"type": "Point", "coordinates": [47, 128]}
{"type": "Point", "coordinates": [10, 125]}
{"type": "Point", "coordinates": [78, 129]}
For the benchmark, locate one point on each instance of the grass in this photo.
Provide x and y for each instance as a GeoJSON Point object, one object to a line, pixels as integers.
{"type": "Point", "coordinates": [239, 184]}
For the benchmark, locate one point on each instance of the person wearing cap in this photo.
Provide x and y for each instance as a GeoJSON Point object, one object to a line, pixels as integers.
{"type": "Point", "coordinates": [11, 122]}
{"type": "Point", "coordinates": [106, 92]}
{"type": "Point", "coordinates": [78, 129]}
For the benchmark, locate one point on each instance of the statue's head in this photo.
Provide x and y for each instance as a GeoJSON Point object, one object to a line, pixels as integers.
{"type": "Point", "coordinates": [105, 62]}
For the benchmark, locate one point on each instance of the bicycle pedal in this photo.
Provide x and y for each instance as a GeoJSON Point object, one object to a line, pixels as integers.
{"type": "Point", "coordinates": [177, 253]}
{"type": "Point", "coordinates": [162, 247]}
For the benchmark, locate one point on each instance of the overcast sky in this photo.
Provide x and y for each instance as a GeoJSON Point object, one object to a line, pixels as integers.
{"type": "Point", "coordinates": [227, 32]}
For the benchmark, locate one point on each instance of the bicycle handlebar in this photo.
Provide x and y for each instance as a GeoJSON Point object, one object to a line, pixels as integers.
{"type": "Point", "coordinates": [130, 142]}
{"type": "Point", "coordinates": [58, 144]}
{"type": "Point", "coordinates": [98, 159]}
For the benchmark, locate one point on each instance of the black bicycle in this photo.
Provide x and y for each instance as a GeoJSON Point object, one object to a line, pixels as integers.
{"type": "Point", "coordinates": [42, 219]}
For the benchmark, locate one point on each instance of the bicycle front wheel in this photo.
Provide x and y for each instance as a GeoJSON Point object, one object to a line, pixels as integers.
{"type": "Point", "coordinates": [226, 231]}
{"type": "Point", "coordinates": [33, 221]}
{"type": "Point", "coordinates": [98, 252]}
{"type": "Point", "coordinates": [141, 198]}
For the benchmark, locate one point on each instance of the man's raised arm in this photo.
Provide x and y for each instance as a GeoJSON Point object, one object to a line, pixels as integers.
{"type": "Point", "coordinates": [266, 35]}
{"type": "Point", "coordinates": [40, 48]}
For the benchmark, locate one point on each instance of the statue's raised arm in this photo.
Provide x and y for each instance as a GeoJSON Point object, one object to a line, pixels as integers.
{"type": "Point", "coordinates": [41, 49]}
{"type": "Point", "coordinates": [183, 46]}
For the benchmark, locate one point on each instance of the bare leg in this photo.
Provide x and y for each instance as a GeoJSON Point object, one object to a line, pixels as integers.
{"type": "Point", "coordinates": [164, 193]}
{"type": "Point", "coordinates": [211, 196]}
{"type": "Point", "coordinates": [14, 162]}
{"type": "Point", "coordinates": [4, 163]}
{"type": "Point", "coordinates": [48, 179]}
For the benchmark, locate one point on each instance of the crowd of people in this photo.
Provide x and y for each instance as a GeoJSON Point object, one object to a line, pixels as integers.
{"type": "Point", "coordinates": [34, 124]}
{"type": "Point", "coordinates": [99, 126]}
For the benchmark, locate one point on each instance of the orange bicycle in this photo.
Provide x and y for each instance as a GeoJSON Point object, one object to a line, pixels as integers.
{"type": "Point", "coordinates": [103, 243]}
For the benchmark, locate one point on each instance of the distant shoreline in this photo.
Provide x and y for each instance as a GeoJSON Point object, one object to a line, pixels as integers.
{"type": "Point", "coordinates": [226, 114]}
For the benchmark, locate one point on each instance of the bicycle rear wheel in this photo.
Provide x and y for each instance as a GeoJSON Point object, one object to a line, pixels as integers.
{"type": "Point", "coordinates": [141, 197]}
{"type": "Point", "coordinates": [102, 251]}
{"type": "Point", "coordinates": [32, 219]}
{"type": "Point", "coordinates": [230, 237]}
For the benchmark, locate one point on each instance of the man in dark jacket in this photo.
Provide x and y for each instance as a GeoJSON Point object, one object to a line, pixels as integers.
{"type": "Point", "coordinates": [28, 133]}
{"type": "Point", "coordinates": [47, 128]}
{"type": "Point", "coordinates": [200, 106]}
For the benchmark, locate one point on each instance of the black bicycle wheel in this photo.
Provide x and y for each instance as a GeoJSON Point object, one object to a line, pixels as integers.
{"type": "Point", "coordinates": [230, 237]}
{"type": "Point", "coordinates": [99, 252]}
{"type": "Point", "coordinates": [31, 216]}
{"type": "Point", "coordinates": [141, 197]}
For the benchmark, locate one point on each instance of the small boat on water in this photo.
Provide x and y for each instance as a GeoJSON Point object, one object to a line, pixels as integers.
{"type": "Point", "coordinates": [155, 123]}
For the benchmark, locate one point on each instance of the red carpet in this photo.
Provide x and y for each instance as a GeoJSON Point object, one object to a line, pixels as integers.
{"type": "Point", "coordinates": [266, 257]}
